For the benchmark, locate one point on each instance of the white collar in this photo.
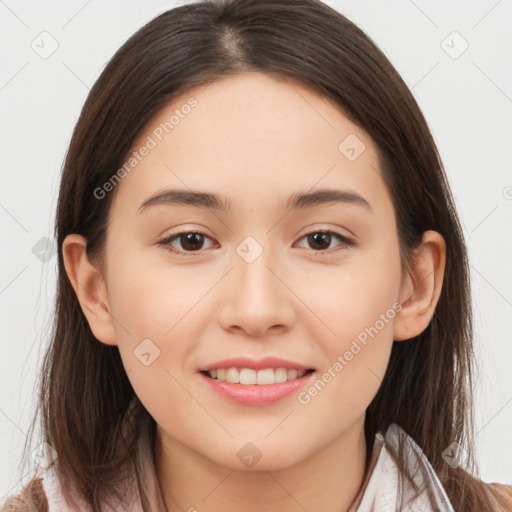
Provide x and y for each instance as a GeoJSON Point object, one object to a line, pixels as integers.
{"type": "Point", "coordinates": [381, 491]}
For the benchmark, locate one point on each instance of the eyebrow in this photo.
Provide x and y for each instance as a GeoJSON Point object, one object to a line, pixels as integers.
{"type": "Point", "coordinates": [297, 200]}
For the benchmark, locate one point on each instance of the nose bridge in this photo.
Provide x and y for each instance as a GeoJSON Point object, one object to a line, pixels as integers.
{"type": "Point", "coordinates": [253, 272]}
{"type": "Point", "coordinates": [257, 298]}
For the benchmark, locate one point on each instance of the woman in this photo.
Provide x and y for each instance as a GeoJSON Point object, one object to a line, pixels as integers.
{"type": "Point", "coordinates": [210, 352]}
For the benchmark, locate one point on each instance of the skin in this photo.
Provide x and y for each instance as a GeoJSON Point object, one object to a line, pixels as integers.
{"type": "Point", "coordinates": [255, 140]}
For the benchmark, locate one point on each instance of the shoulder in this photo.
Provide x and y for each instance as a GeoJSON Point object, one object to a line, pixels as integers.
{"type": "Point", "coordinates": [31, 498]}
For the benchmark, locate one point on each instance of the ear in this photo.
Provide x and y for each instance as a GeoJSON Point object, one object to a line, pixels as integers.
{"type": "Point", "coordinates": [89, 287]}
{"type": "Point", "coordinates": [421, 288]}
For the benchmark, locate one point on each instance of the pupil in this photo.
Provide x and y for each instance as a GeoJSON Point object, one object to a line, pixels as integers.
{"type": "Point", "coordinates": [191, 239]}
{"type": "Point", "coordinates": [316, 238]}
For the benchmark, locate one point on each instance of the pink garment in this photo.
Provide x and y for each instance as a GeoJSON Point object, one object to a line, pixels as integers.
{"type": "Point", "coordinates": [380, 492]}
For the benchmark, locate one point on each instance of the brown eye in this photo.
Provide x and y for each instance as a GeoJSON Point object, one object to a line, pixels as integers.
{"type": "Point", "coordinates": [190, 242]}
{"type": "Point", "coordinates": [319, 241]}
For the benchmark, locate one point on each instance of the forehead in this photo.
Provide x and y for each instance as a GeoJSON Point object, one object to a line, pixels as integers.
{"type": "Point", "coordinates": [250, 136]}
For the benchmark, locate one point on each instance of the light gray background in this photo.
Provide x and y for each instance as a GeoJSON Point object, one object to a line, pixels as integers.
{"type": "Point", "coordinates": [467, 101]}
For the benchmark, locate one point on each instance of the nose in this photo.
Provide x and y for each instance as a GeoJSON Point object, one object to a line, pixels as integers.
{"type": "Point", "coordinates": [256, 297]}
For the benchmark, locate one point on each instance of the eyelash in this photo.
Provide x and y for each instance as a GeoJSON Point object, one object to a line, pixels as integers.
{"type": "Point", "coordinates": [167, 241]}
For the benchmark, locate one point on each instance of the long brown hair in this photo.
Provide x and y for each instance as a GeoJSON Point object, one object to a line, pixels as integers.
{"type": "Point", "coordinates": [84, 391]}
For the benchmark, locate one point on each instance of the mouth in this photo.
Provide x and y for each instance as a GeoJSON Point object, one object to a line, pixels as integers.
{"type": "Point", "coordinates": [249, 376]}
{"type": "Point", "coordinates": [250, 387]}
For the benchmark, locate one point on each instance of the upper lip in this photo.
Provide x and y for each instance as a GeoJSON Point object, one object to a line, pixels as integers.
{"type": "Point", "coordinates": [260, 364]}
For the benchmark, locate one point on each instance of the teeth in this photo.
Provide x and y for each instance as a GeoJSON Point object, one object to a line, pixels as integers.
{"type": "Point", "coordinates": [250, 376]}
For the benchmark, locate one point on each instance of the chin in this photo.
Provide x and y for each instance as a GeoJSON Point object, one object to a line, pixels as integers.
{"type": "Point", "coordinates": [256, 457]}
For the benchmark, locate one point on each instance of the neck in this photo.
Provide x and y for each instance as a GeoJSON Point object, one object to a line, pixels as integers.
{"type": "Point", "coordinates": [328, 480]}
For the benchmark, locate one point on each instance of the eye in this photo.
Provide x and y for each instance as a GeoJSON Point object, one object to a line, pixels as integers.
{"type": "Point", "coordinates": [321, 239]}
{"type": "Point", "coordinates": [190, 241]}
{"type": "Point", "coordinates": [193, 241]}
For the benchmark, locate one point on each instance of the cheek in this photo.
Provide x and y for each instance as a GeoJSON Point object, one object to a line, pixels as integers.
{"type": "Point", "coordinates": [152, 310]}
{"type": "Point", "coordinates": [355, 296]}
{"type": "Point", "coordinates": [152, 300]}
{"type": "Point", "coordinates": [357, 357]}
{"type": "Point", "coordinates": [357, 329]}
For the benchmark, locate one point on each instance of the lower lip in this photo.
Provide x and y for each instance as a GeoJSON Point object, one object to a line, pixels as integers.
{"type": "Point", "coordinates": [256, 394]}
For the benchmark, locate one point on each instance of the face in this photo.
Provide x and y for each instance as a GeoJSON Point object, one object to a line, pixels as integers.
{"type": "Point", "coordinates": [316, 284]}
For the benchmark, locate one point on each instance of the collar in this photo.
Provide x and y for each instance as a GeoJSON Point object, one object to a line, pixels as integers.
{"type": "Point", "coordinates": [381, 490]}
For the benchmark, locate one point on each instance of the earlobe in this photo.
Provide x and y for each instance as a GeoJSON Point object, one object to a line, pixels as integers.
{"type": "Point", "coordinates": [421, 289]}
{"type": "Point", "coordinates": [89, 287]}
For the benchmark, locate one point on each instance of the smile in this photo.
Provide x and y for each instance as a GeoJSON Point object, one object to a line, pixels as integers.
{"type": "Point", "coordinates": [253, 393]}
{"type": "Point", "coordinates": [248, 376]}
